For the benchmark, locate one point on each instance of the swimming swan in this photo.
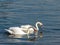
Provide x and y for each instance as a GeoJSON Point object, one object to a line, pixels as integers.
{"type": "Point", "coordinates": [24, 29]}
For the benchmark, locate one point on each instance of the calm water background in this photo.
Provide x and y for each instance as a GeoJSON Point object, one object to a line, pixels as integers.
{"type": "Point", "coordinates": [19, 12]}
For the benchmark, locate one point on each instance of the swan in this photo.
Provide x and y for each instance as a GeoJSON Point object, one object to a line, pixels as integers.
{"type": "Point", "coordinates": [31, 28]}
{"type": "Point", "coordinates": [24, 29]}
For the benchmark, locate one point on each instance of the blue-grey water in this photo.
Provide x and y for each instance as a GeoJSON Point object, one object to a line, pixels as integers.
{"type": "Point", "coordinates": [21, 12]}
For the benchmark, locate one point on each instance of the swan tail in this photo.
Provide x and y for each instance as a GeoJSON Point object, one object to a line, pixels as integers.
{"type": "Point", "coordinates": [9, 31]}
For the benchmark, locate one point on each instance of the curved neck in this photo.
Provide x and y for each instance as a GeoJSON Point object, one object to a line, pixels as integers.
{"type": "Point", "coordinates": [38, 23]}
{"type": "Point", "coordinates": [37, 26]}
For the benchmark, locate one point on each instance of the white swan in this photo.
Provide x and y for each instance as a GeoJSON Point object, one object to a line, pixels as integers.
{"type": "Point", "coordinates": [24, 29]}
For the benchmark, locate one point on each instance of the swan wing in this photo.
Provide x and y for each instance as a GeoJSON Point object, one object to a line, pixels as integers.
{"type": "Point", "coordinates": [25, 26]}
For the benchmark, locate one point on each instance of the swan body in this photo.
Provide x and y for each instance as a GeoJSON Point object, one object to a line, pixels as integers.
{"type": "Point", "coordinates": [24, 29]}
{"type": "Point", "coordinates": [15, 30]}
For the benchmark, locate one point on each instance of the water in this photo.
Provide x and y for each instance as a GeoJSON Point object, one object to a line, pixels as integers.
{"type": "Point", "coordinates": [20, 12]}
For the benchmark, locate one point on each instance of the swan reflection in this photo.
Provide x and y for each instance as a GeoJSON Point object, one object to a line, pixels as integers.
{"type": "Point", "coordinates": [29, 37]}
{"type": "Point", "coordinates": [41, 34]}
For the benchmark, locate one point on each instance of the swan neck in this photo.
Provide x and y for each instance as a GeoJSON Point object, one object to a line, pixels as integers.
{"type": "Point", "coordinates": [37, 26]}
{"type": "Point", "coordinates": [38, 23]}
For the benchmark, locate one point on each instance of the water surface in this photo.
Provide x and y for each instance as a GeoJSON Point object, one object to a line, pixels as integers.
{"type": "Point", "coordinates": [21, 12]}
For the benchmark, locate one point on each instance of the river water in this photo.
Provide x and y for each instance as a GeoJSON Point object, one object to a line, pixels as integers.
{"type": "Point", "coordinates": [20, 12]}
